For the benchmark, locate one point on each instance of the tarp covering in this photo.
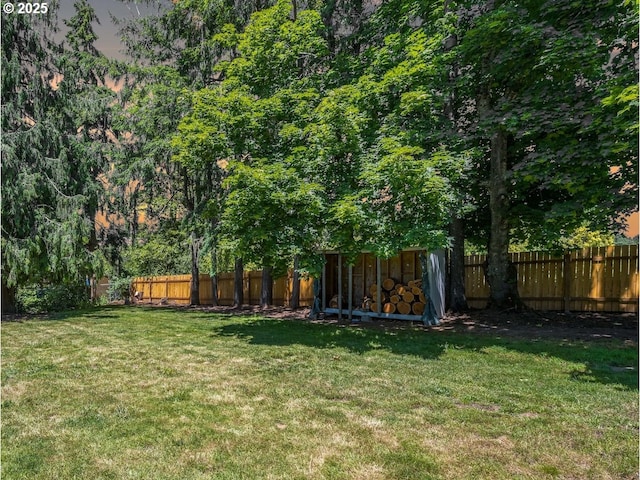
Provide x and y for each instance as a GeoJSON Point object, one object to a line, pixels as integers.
{"type": "Point", "coordinates": [433, 284]}
{"type": "Point", "coordinates": [437, 283]}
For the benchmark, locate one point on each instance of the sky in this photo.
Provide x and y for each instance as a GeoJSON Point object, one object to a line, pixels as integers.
{"type": "Point", "coordinates": [108, 40]}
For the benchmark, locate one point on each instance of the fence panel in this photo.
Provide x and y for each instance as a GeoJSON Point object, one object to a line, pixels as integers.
{"type": "Point", "coordinates": [176, 289]}
{"type": "Point", "coordinates": [591, 279]}
{"type": "Point", "coordinates": [225, 289]}
{"type": "Point", "coordinates": [598, 279]}
{"type": "Point", "coordinates": [476, 287]}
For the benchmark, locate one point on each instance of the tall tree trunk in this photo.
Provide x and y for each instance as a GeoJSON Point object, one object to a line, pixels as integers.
{"type": "Point", "coordinates": [295, 288]}
{"type": "Point", "coordinates": [457, 294]}
{"type": "Point", "coordinates": [266, 293]}
{"type": "Point", "coordinates": [195, 271]}
{"type": "Point", "coordinates": [8, 299]}
{"type": "Point", "coordinates": [457, 299]}
{"type": "Point", "coordinates": [214, 290]}
{"type": "Point", "coordinates": [499, 272]}
{"type": "Point", "coordinates": [238, 287]}
{"type": "Point", "coordinates": [133, 205]}
{"type": "Point", "coordinates": [214, 269]}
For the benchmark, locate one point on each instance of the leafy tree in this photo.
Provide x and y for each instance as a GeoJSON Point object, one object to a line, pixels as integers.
{"type": "Point", "coordinates": [347, 142]}
{"type": "Point", "coordinates": [497, 117]}
{"type": "Point", "coordinates": [534, 81]}
{"type": "Point", "coordinates": [403, 91]}
{"type": "Point", "coordinates": [191, 36]}
{"type": "Point", "coordinates": [188, 39]}
{"type": "Point", "coordinates": [529, 85]}
{"type": "Point", "coordinates": [157, 253]}
{"type": "Point", "coordinates": [271, 213]}
{"type": "Point", "coordinates": [241, 120]}
{"type": "Point", "coordinates": [582, 237]}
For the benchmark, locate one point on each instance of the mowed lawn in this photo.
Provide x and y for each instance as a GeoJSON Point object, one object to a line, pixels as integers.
{"type": "Point", "coordinates": [123, 392]}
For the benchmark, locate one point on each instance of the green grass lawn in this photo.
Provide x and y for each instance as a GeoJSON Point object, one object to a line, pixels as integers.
{"type": "Point", "coordinates": [124, 392]}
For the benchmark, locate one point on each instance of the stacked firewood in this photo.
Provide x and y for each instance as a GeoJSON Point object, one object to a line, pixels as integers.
{"type": "Point", "coordinates": [406, 299]}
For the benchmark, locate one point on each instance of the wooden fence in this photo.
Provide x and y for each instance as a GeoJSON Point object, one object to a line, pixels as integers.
{"type": "Point", "coordinates": [603, 279]}
{"type": "Point", "coordinates": [599, 279]}
{"type": "Point", "coordinates": [177, 289]}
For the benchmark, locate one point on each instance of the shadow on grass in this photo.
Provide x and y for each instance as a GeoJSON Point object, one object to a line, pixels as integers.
{"type": "Point", "coordinates": [606, 363]}
{"type": "Point", "coordinates": [97, 312]}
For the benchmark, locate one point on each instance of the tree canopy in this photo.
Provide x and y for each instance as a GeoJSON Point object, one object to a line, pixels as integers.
{"type": "Point", "coordinates": [55, 121]}
{"type": "Point", "coordinates": [271, 131]}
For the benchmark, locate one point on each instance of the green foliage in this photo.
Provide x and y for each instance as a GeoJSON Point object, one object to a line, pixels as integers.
{"type": "Point", "coordinates": [34, 298]}
{"type": "Point", "coordinates": [552, 78]}
{"type": "Point", "coordinates": [275, 51]}
{"type": "Point", "coordinates": [408, 200]}
{"type": "Point", "coordinates": [120, 288]}
{"type": "Point", "coordinates": [81, 35]}
{"type": "Point", "coordinates": [54, 148]}
{"type": "Point", "coordinates": [158, 254]}
{"type": "Point", "coordinates": [271, 213]}
{"type": "Point", "coordinates": [265, 131]}
{"type": "Point", "coordinates": [191, 36]}
{"type": "Point", "coordinates": [624, 240]}
{"type": "Point", "coordinates": [582, 237]}
{"type": "Point", "coordinates": [241, 120]}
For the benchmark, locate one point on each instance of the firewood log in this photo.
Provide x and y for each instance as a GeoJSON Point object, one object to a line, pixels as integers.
{"type": "Point", "coordinates": [388, 284]}
{"type": "Point", "coordinates": [418, 308]}
{"type": "Point", "coordinates": [404, 308]}
{"type": "Point", "coordinates": [333, 303]}
{"type": "Point", "coordinates": [366, 304]}
{"type": "Point", "coordinates": [384, 296]}
{"type": "Point", "coordinates": [408, 297]}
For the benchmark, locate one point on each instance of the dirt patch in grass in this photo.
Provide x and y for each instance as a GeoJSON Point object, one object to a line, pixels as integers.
{"type": "Point", "coordinates": [528, 324]}
{"type": "Point", "coordinates": [553, 325]}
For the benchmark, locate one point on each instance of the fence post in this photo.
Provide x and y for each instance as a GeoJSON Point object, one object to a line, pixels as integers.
{"type": "Point", "coordinates": [350, 291]}
{"type": "Point", "coordinates": [323, 291]}
{"type": "Point", "coordinates": [378, 285]}
{"type": "Point", "coordinates": [339, 287]}
{"type": "Point", "coordinates": [248, 274]}
{"type": "Point", "coordinates": [567, 281]}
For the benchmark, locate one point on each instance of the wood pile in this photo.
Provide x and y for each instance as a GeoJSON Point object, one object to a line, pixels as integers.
{"type": "Point", "coordinates": [333, 303]}
{"type": "Point", "coordinates": [398, 298]}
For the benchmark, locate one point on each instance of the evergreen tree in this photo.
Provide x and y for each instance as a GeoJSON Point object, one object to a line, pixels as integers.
{"type": "Point", "coordinates": [55, 119]}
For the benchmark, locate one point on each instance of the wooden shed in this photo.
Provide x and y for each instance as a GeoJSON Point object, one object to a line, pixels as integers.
{"type": "Point", "coordinates": [382, 288]}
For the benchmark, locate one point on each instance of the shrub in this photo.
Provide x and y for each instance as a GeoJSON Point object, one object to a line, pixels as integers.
{"type": "Point", "coordinates": [157, 256]}
{"type": "Point", "coordinates": [120, 289]}
{"type": "Point", "coordinates": [51, 298]}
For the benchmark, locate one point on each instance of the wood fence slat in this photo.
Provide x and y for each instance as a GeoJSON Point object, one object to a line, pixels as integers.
{"type": "Point", "coordinates": [589, 279]}
{"type": "Point", "coordinates": [614, 272]}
